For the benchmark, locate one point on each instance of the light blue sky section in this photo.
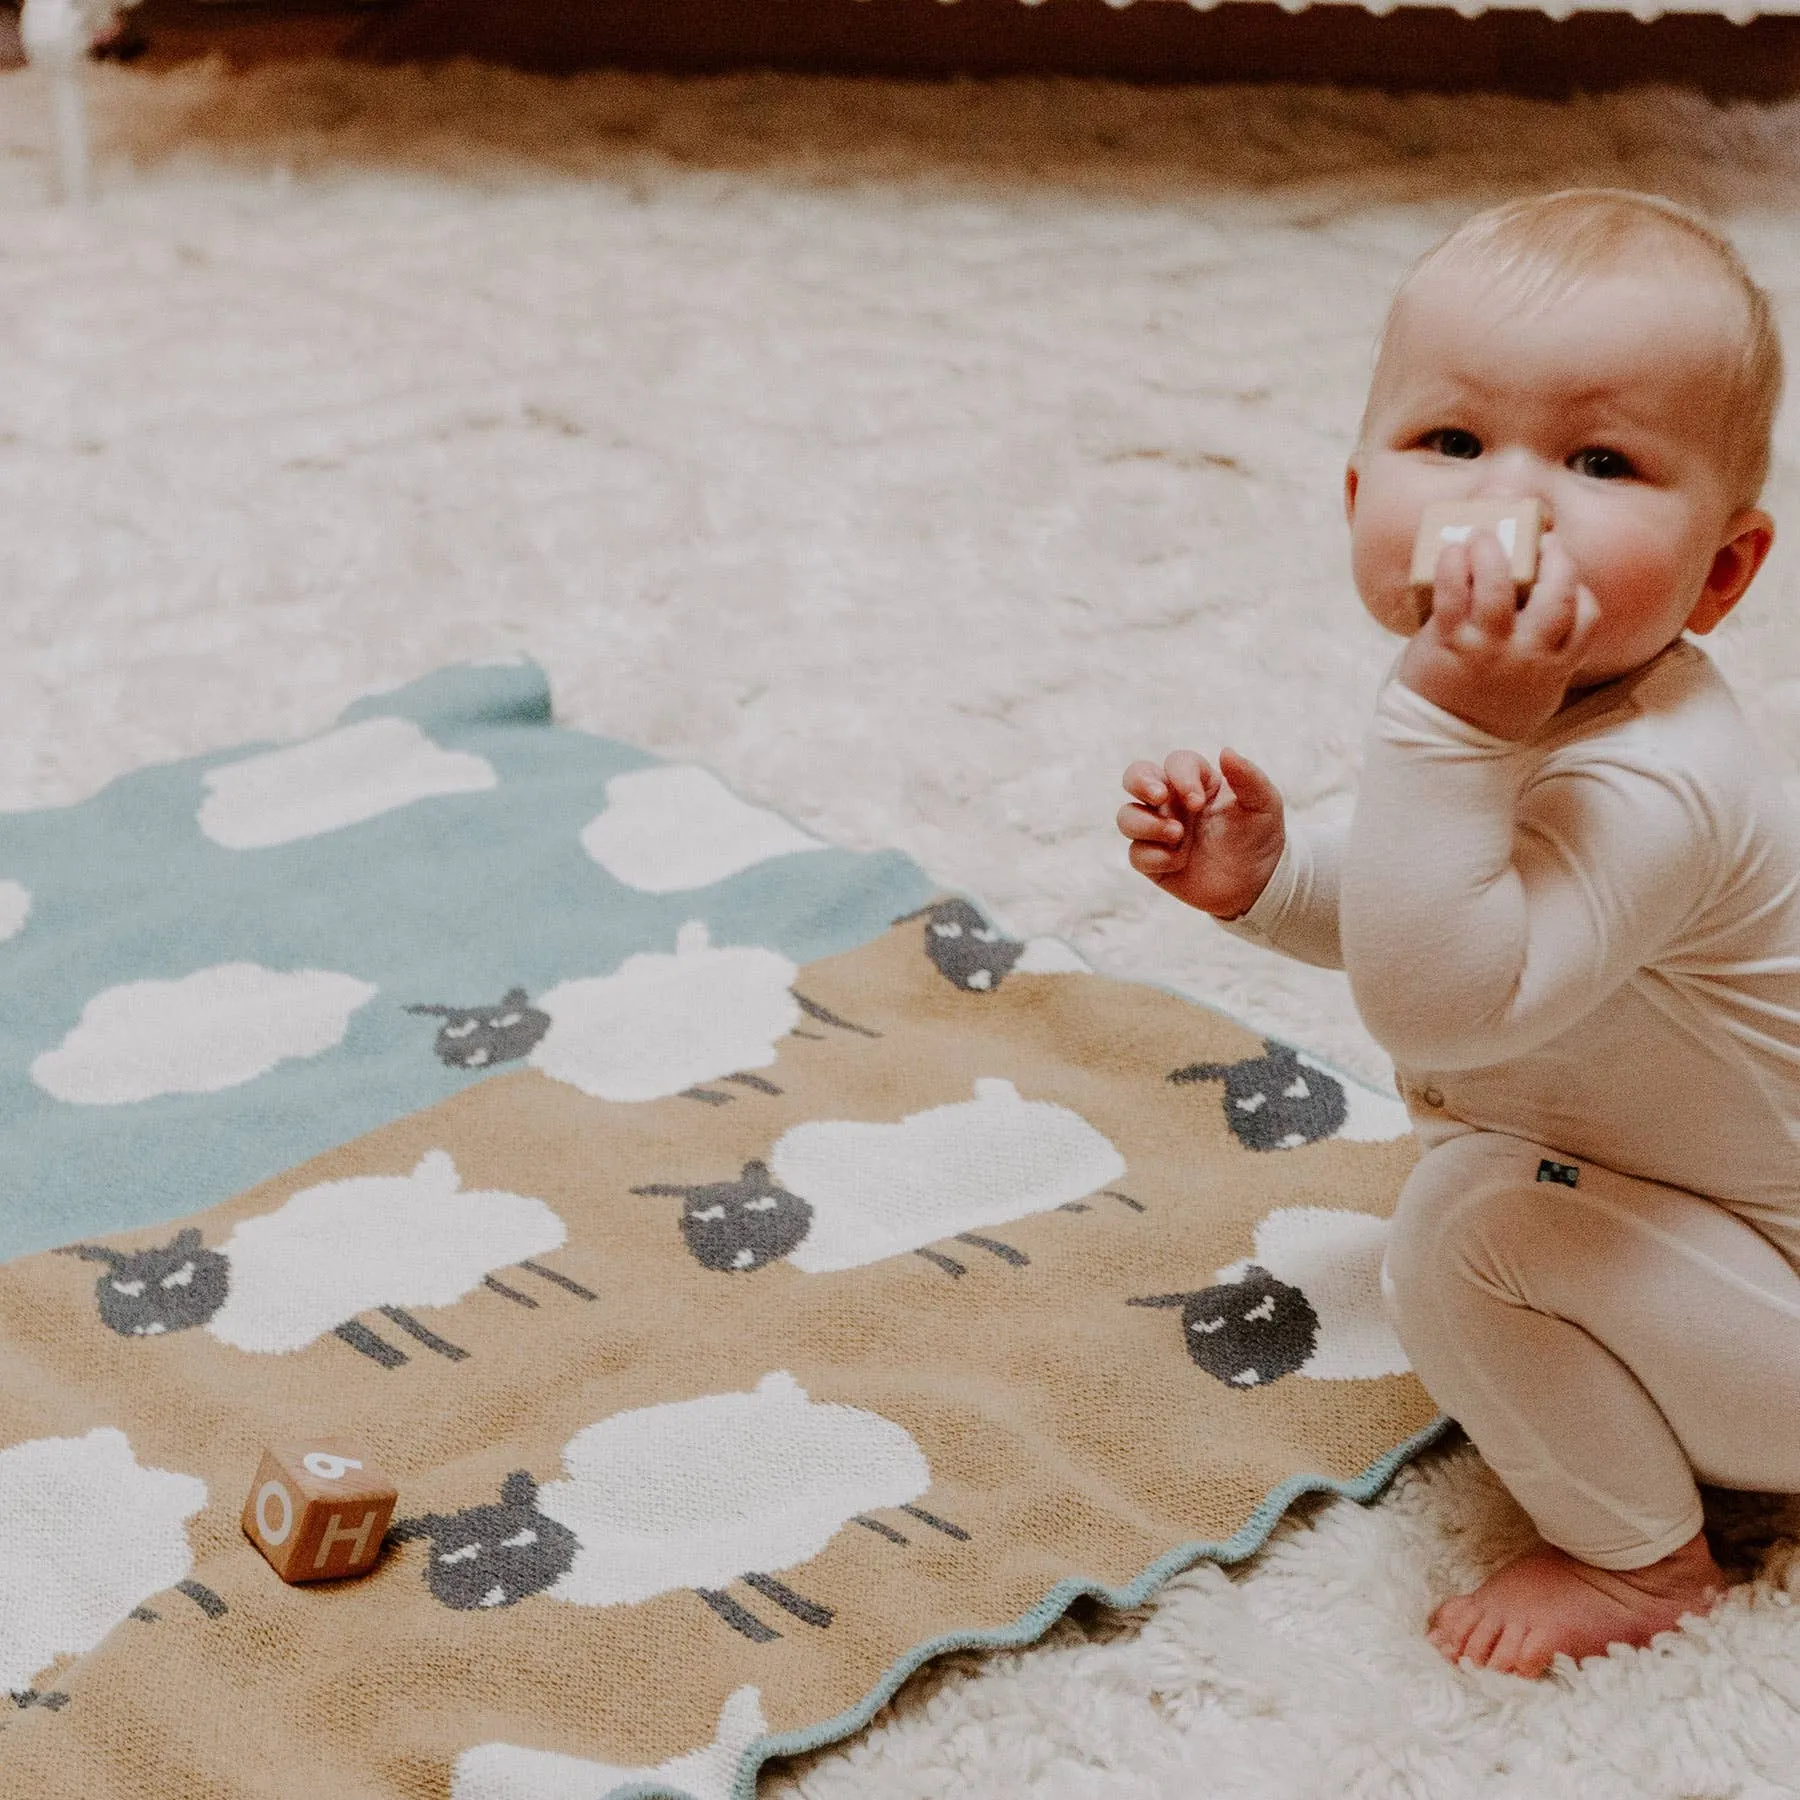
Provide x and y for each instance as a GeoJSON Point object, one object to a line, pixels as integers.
{"type": "Point", "coordinates": [449, 900]}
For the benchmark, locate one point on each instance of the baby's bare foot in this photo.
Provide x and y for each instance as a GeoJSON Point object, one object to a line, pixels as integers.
{"type": "Point", "coordinates": [1521, 1616]}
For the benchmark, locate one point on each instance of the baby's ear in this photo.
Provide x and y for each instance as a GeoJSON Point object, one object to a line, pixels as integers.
{"type": "Point", "coordinates": [1734, 567]}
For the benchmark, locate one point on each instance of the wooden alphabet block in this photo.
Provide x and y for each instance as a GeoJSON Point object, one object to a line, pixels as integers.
{"type": "Point", "coordinates": [1517, 523]}
{"type": "Point", "coordinates": [318, 1510]}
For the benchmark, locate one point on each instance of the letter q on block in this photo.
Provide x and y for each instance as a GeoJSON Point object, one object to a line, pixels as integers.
{"type": "Point", "coordinates": [318, 1510]}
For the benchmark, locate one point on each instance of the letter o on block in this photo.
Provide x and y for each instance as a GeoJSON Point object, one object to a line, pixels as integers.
{"type": "Point", "coordinates": [318, 1511]}
{"type": "Point", "coordinates": [269, 1495]}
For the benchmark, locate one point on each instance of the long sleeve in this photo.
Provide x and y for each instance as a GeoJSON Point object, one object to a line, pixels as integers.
{"type": "Point", "coordinates": [1494, 895]}
{"type": "Point", "coordinates": [1297, 913]}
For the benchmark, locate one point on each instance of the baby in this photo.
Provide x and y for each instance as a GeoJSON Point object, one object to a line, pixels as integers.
{"type": "Point", "coordinates": [1568, 902]}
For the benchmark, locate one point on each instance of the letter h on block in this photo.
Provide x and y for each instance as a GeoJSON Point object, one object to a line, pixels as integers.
{"type": "Point", "coordinates": [319, 1510]}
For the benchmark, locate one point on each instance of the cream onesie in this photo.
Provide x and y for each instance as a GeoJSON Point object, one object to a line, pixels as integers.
{"type": "Point", "coordinates": [1583, 954]}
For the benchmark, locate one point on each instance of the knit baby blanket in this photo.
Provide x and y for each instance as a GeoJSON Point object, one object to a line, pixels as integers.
{"type": "Point", "coordinates": [758, 1273]}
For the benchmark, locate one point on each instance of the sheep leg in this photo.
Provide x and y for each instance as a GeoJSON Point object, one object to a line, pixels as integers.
{"type": "Point", "coordinates": [423, 1334]}
{"type": "Point", "coordinates": [936, 1524]}
{"type": "Point", "coordinates": [880, 1530]}
{"type": "Point", "coordinates": [502, 1289]}
{"type": "Point", "coordinates": [753, 1081]}
{"type": "Point", "coordinates": [706, 1094]}
{"type": "Point", "coordinates": [1124, 1199]}
{"type": "Point", "coordinates": [1074, 1206]}
{"type": "Point", "coordinates": [204, 1598]}
{"type": "Point", "coordinates": [360, 1337]}
{"type": "Point", "coordinates": [561, 1281]}
{"type": "Point", "coordinates": [814, 1010]}
{"type": "Point", "coordinates": [736, 1617]}
{"type": "Point", "coordinates": [993, 1246]}
{"type": "Point", "coordinates": [948, 1264]}
{"type": "Point", "coordinates": [808, 1612]}
{"type": "Point", "coordinates": [31, 1697]}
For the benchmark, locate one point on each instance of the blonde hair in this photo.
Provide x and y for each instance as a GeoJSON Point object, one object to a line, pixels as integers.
{"type": "Point", "coordinates": [1539, 248]}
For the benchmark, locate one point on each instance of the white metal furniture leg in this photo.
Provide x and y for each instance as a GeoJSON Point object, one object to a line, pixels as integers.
{"type": "Point", "coordinates": [57, 35]}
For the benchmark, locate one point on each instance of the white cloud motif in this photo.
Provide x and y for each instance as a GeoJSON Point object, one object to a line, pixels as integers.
{"type": "Point", "coordinates": [882, 1190]}
{"type": "Point", "coordinates": [512, 1772]}
{"type": "Point", "coordinates": [694, 1492]}
{"type": "Point", "coordinates": [214, 1029]}
{"type": "Point", "coordinates": [660, 1023]}
{"type": "Point", "coordinates": [90, 1535]}
{"type": "Point", "coordinates": [15, 905]}
{"type": "Point", "coordinates": [353, 773]}
{"type": "Point", "coordinates": [673, 828]}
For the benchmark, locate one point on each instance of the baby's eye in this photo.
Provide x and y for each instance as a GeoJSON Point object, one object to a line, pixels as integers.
{"type": "Point", "coordinates": [1602, 464]}
{"type": "Point", "coordinates": [1453, 441]}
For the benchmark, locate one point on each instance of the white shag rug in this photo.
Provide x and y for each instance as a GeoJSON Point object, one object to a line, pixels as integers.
{"type": "Point", "coordinates": [915, 456]}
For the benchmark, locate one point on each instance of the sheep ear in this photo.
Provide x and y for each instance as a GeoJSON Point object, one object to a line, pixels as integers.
{"type": "Point", "coordinates": [778, 1384]}
{"type": "Point", "coordinates": [1162, 1299]}
{"type": "Point", "coordinates": [662, 1190]}
{"type": "Point", "coordinates": [93, 1253]}
{"type": "Point", "coordinates": [1201, 1072]}
{"type": "Point", "coordinates": [437, 1168]}
{"type": "Point", "coordinates": [435, 1012]}
{"type": "Point", "coordinates": [403, 1531]}
{"type": "Point", "coordinates": [519, 1489]}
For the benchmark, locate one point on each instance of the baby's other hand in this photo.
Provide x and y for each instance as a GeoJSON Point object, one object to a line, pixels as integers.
{"type": "Point", "coordinates": [1502, 667]}
{"type": "Point", "coordinates": [1210, 837]}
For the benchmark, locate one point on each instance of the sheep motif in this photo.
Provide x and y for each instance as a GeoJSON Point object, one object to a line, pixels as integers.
{"type": "Point", "coordinates": [694, 1494]}
{"type": "Point", "coordinates": [968, 951]}
{"type": "Point", "coordinates": [687, 1014]}
{"type": "Point", "coordinates": [1271, 1102]}
{"type": "Point", "coordinates": [975, 956]}
{"type": "Point", "coordinates": [91, 1535]}
{"type": "Point", "coordinates": [478, 1037]}
{"type": "Point", "coordinates": [739, 1225]}
{"type": "Point", "coordinates": [492, 1555]}
{"type": "Point", "coordinates": [370, 1243]}
{"type": "Point", "coordinates": [1307, 1301]}
{"type": "Point", "coordinates": [1283, 1099]}
{"type": "Point", "coordinates": [837, 1193]}
{"type": "Point", "coordinates": [512, 1772]}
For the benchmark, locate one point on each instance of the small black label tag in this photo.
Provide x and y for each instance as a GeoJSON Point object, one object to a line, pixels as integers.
{"type": "Point", "coordinates": [1566, 1174]}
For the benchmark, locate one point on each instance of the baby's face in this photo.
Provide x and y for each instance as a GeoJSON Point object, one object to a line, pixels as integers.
{"type": "Point", "coordinates": [1609, 407]}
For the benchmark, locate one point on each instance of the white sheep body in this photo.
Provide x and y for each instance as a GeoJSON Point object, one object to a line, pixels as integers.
{"type": "Point", "coordinates": [695, 1493]}
{"type": "Point", "coordinates": [661, 1023]}
{"type": "Point", "coordinates": [883, 1190]}
{"type": "Point", "coordinates": [90, 1535]}
{"type": "Point", "coordinates": [344, 1247]}
{"type": "Point", "coordinates": [512, 1772]}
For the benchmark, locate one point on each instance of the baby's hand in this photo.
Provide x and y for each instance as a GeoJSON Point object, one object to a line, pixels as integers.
{"type": "Point", "coordinates": [1209, 838]}
{"type": "Point", "coordinates": [1502, 667]}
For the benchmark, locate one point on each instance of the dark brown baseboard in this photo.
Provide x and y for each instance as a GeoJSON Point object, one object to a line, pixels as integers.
{"type": "Point", "coordinates": [1414, 48]}
{"type": "Point", "coordinates": [1154, 40]}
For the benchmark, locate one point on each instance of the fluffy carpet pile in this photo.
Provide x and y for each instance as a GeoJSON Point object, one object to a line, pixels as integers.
{"type": "Point", "coordinates": [915, 456]}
